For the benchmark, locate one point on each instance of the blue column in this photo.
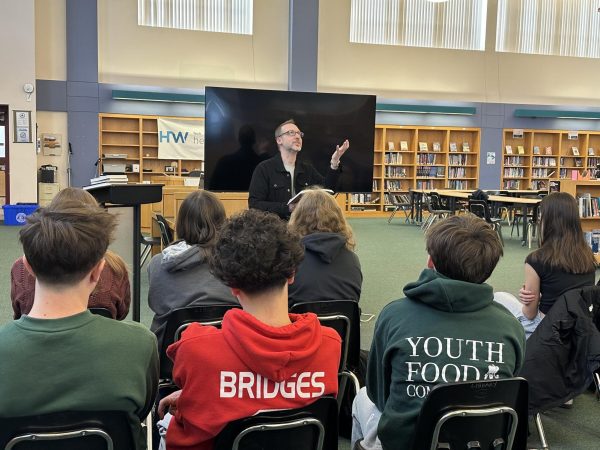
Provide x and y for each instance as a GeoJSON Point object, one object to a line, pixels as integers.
{"type": "Point", "coordinates": [303, 45]}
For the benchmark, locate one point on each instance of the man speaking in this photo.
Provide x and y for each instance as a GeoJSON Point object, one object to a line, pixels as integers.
{"type": "Point", "coordinates": [279, 178]}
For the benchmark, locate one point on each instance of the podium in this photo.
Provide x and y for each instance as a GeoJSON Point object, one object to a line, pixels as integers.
{"type": "Point", "coordinates": [132, 195]}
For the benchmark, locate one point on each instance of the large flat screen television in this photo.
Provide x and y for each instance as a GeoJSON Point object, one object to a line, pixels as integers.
{"type": "Point", "coordinates": [240, 126]}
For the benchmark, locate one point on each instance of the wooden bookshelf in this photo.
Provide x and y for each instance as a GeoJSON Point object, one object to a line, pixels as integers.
{"type": "Point", "coordinates": [414, 157]}
{"type": "Point", "coordinates": [136, 138]}
{"type": "Point", "coordinates": [547, 155]}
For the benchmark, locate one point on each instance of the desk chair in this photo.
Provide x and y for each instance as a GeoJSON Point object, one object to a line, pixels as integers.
{"type": "Point", "coordinates": [400, 202]}
{"type": "Point", "coordinates": [481, 209]}
{"type": "Point", "coordinates": [72, 430]}
{"type": "Point", "coordinates": [435, 209]}
{"type": "Point", "coordinates": [166, 234]}
{"type": "Point", "coordinates": [474, 415]}
{"type": "Point", "coordinates": [147, 243]}
{"type": "Point", "coordinates": [104, 312]}
{"type": "Point", "coordinates": [313, 427]}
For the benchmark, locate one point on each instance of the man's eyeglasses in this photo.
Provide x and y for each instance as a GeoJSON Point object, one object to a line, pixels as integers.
{"type": "Point", "coordinates": [292, 133]}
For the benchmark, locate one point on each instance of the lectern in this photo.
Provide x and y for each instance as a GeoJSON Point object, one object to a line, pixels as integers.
{"type": "Point", "coordinates": [132, 195]}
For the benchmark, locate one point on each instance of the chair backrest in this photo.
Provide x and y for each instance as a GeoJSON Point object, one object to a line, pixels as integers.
{"type": "Point", "coordinates": [313, 427]}
{"type": "Point", "coordinates": [344, 317]}
{"type": "Point", "coordinates": [178, 319]}
{"type": "Point", "coordinates": [492, 414]}
{"type": "Point", "coordinates": [73, 430]}
{"type": "Point", "coordinates": [480, 208]}
{"type": "Point", "coordinates": [105, 312]}
{"type": "Point", "coordinates": [165, 231]}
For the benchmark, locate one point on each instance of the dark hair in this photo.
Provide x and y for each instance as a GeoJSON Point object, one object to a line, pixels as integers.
{"type": "Point", "coordinates": [278, 129]}
{"type": "Point", "coordinates": [65, 240]}
{"type": "Point", "coordinates": [200, 216]}
{"type": "Point", "coordinates": [562, 243]}
{"type": "Point", "coordinates": [256, 252]}
{"type": "Point", "coordinates": [464, 248]}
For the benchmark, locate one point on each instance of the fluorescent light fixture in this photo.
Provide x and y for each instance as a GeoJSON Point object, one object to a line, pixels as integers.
{"type": "Point", "coordinates": [557, 114]}
{"type": "Point", "coordinates": [437, 1]}
{"type": "Point", "coordinates": [426, 109]}
{"type": "Point", "coordinates": [151, 96]}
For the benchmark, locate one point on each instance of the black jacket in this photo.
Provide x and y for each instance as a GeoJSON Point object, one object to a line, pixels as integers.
{"type": "Point", "coordinates": [271, 187]}
{"type": "Point", "coordinates": [564, 350]}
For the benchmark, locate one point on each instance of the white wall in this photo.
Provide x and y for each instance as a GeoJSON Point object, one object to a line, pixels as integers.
{"type": "Point", "coordinates": [434, 74]}
{"type": "Point", "coordinates": [131, 54]}
{"type": "Point", "coordinates": [17, 33]}
{"type": "Point", "coordinates": [50, 40]}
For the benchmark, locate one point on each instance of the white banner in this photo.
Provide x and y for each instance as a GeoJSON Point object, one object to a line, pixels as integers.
{"type": "Point", "coordinates": [180, 139]}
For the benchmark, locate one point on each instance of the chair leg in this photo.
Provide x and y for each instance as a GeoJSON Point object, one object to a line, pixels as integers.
{"type": "Point", "coordinates": [392, 215]}
{"type": "Point", "coordinates": [541, 433]}
{"type": "Point", "coordinates": [149, 428]}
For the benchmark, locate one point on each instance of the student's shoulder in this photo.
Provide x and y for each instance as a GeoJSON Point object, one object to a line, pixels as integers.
{"type": "Point", "coordinates": [125, 330]}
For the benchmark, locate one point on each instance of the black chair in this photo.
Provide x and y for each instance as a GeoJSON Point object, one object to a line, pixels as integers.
{"type": "Point", "coordinates": [104, 312]}
{"type": "Point", "coordinates": [73, 430]}
{"type": "Point", "coordinates": [166, 234]}
{"type": "Point", "coordinates": [147, 243]}
{"type": "Point", "coordinates": [435, 209]}
{"type": "Point", "coordinates": [313, 427]}
{"type": "Point", "coordinates": [399, 202]}
{"type": "Point", "coordinates": [474, 415]}
{"type": "Point", "coordinates": [344, 317]}
{"type": "Point", "coordinates": [177, 321]}
{"type": "Point", "coordinates": [481, 209]}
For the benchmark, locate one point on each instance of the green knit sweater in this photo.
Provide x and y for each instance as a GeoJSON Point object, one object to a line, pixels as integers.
{"type": "Point", "coordinates": [81, 362]}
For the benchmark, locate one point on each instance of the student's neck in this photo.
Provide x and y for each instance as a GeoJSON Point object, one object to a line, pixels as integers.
{"type": "Point", "coordinates": [269, 307]}
{"type": "Point", "coordinates": [56, 303]}
{"type": "Point", "coordinates": [289, 157]}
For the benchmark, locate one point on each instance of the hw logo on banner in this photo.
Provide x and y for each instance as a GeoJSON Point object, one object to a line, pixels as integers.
{"type": "Point", "coordinates": [177, 137]}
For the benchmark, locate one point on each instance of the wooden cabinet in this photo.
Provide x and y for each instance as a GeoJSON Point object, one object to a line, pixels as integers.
{"type": "Point", "coordinates": [46, 192]}
{"type": "Point", "coordinates": [533, 158]}
{"type": "Point", "coordinates": [409, 157]}
{"type": "Point", "coordinates": [132, 141]}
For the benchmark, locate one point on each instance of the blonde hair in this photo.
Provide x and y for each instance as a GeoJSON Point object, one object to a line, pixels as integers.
{"type": "Point", "coordinates": [318, 212]}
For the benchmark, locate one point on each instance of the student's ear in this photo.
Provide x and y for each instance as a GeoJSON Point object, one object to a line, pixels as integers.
{"type": "Point", "coordinates": [290, 280]}
{"type": "Point", "coordinates": [430, 264]}
{"type": "Point", "coordinates": [97, 270]}
{"type": "Point", "coordinates": [235, 292]}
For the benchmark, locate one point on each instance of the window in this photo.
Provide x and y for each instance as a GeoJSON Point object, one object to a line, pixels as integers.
{"type": "Point", "coordinates": [457, 24]}
{"type": "Point", "coordinates": [225, 16]}
{"type": "Point", "coordinates": [549, 27]}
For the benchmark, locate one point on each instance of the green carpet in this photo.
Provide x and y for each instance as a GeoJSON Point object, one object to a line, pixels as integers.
{"type": "Point", "coordinates": [392, 255]}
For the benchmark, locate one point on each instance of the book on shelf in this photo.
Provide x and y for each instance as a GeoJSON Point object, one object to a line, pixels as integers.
{"type": "Point", "coordinates": [453, 147]}
{"type": "Point", "coordinates": [508, 149]}
{"type": "Point", "coordinates": [520, 150]}
{"type": "Point", "coordinates": [423, 147]}
{"type": "Point", "coordinates": [437, 147]}
{"type": "Point", "coordinates": [552, 162]}
{"type": "Point", "coordinates": [536, 149]}
{"type": "Point", "coordinates": [575, 151]}
{"type": "Point", "coordinates": [591, 152]}
{"type": "Point", "coordinates": [548, 150]}
{"type": "Point", "coordinates": [578, 162]}
{"type": "Point", "coordinates": [391, 147]}
{"type": "Point", "coordinates": [109, 179]}
{"type": "Point", "coordinates": [403, 146]}
{"type": "Point", "coordinates": [466, 147]}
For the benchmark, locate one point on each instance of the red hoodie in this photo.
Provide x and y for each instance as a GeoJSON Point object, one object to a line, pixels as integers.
{"type": "Point", "coordinates": [247, 367]}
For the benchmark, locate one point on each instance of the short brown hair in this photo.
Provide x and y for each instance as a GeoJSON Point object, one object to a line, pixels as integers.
{"type": "Point", "coordinates": [278, 129]}
{"type": "Point", "coordinates": [464, 248]}
{"type": "Point", "coordinates": [318, 212]}
{"type": "Point", "coordinates": [65, 240]}
{"type": "Point", "coordinates": [256, 252]}
{"type": "Point", "coordinates": [199, 219]}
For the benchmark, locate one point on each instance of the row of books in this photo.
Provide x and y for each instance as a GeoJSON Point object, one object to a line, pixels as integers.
{"type": "Point", "coordinates": [588, 206]}
{"type": "Point", "coordinates": [593, 239]}
{"type": "Point", "coordinates": [544, 161]}
{"type": "Point", "coordinates": [424, 146]}
{"type": "Point", "coordinates": [458, 184]}
{"type": "Point", "coordinates": [457, 172]}
{"type": "Point", "coordinates": [375, 185]}
{"type": "Point", "coordinates": [456, 160]}
{"type": "Point", "coordinates": [393, 185]}
{"type": "Point", "coordinates": [514, 161]}
{"type": "Point", "coordinates": [428, 158]}
{"type": "Point", "coordinates": [424, 184]}
{"type": "Point", "coordinates": [395, 172]}
{"type": "Point", "coordinates": [430, 171]}
{"type": "Point", "coordinates": [539, 172]}
{"type": "Point", "coordinates": [511, 184]}
{"type": "Point", "coordinates": [399, 198]}
{"type": "Point", "coordinates": [514, 172]}
{"type": "Point", "coordinates": [393, 158]}
{"type": "Point", "coordinates": [364, 198]}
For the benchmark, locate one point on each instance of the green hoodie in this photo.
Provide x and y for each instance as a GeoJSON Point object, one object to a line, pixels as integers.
{"type": "Point", "coordinates": [444, 331]}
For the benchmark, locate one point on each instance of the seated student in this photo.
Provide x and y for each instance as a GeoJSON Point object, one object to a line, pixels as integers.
{"type": "Point", "coordinates": [112, 291]}
{"type": "Point", "coordinates": [330, 269]}
{"type": "Point", "coordinates": [60, 357]}
{"type": "Point", "coordinates": [448, 328]}
{"type": "Point", "coordinates": [262, 358]}
{"type": "Point", "coordinates": [563, 262]}
{"type": "Point", "coordinates": [180, 276]}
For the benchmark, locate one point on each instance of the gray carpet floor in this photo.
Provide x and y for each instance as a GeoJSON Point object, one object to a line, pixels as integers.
{"type": "Point", "coordinates": [392, 255]}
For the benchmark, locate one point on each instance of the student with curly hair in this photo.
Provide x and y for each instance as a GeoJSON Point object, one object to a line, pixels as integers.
{"type": "Point", "coordinates": [112, 291]}
{"type": "Point", "coordinates": [180, 275]}
{"type": "Point", "coordinates": [330, 269]}
{"type": "Point", "coordinates": [262, 358]}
